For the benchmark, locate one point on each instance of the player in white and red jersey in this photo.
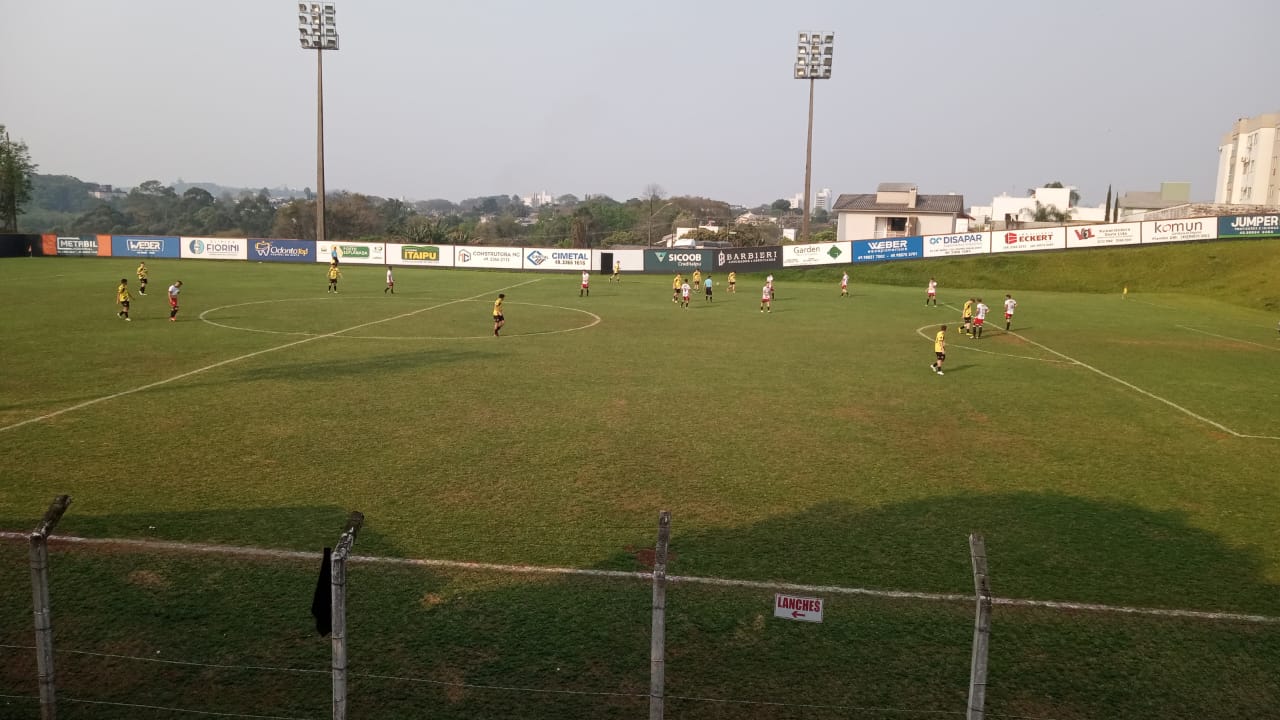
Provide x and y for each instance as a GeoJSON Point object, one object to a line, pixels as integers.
{"type": "Point", "coordinates": [979, 318]}
{"type": "Point", "coordinates": [174, 289]}
{"type": "Point", "coordinates": [766, 298]}
{"type": "Point", "coordinates": [586, 284]}
{"type": "Point", "coordinates": [684, 294]}
{"type": "Point", "coordinates": [844, 285]}
{"type": "Point", "coordinates": [932, 293]}
{"type": "Point", "coordinates": [391, 283]}
{"type": "Point", "coordinates": [1009, 305]}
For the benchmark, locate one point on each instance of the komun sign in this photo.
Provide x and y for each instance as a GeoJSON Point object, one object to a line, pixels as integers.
{"type": "Point", "coordinates": [1163, 231]}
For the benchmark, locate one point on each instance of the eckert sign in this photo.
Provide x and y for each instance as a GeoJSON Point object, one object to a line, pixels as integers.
{"type": "Point", "coordinates": [958, 244]}
{"type": "Point", "coordinates": [1021, 240]}
{"type": "Point", "coordinates": [792, 607]}
{"type": "Point", "coordinates": [1244, 225]}
{"type": "Point", "coordinates": [1162, 231]}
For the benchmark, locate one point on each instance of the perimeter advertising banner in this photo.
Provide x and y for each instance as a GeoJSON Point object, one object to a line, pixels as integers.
{"type": "Point", "coordinates": [145, 246]}
{"type": "Point", "coordinates": [352, 253]}
{"type": "Point", "coordinates": [510, 258]}
{"type": "Point", "coordinates": [82, 245]}
{"type": "Point", "coordinates": [556, 259]}
{"type": "Point", "coordinates": [215, 248]}
{"type": "Point", "coordinates": [816, 254]}
{"type": "Point", "coordinates": [974, 243]}
{"type": "Point", "coordinates": [421, 254]}
{"type": "Point", "coordinates": [1249, 226]}
{"type": "Point", "coordinates": [1162, 231]}
{"type": "Point", "coordinates": [747, 259]}
{"type": "Point", "coordinates": [677, 260]}
{"type": "Point", "coordinates": [1052, 238]}
{"type": "Point", "coordinates": [264, 250]}
{"type": "Point", "coordinates": [1087, 236]}
{"type": "Point", "coordinates": [904, 248]}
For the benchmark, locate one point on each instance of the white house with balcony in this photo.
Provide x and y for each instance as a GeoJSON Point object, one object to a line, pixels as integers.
{"type": "Point", "coordinates": [898, 210]}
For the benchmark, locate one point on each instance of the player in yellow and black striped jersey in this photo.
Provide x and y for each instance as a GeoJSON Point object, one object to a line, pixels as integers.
{"type": "Point", "coordinates": [142, 278]}
{"type": "Point", "coordinates": [939, 349]}
{"type": "Point", "coordinates": [334, 274]}
{"type": "Point", "coordinates": [498, 318]}
{"type": "Point", "coordinates": [123, 297]}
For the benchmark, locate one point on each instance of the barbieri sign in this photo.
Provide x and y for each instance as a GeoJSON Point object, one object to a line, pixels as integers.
{"type": "Point", "coordinates": [794, 607]}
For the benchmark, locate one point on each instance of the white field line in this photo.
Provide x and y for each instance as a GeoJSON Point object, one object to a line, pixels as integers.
{"type": "Point", "coordinates": [920, 331]}
{"type": "Point", "coordinates": [1139, 390]}
{"type": "Point", "coordinates": [270, 553]}
{"type": "Point", "coordinates": [1226, 337]}
{"type": "Point", "coordinates": [246, 356]}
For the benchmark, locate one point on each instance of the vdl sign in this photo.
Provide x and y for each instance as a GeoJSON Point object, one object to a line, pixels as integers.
{"type": "Point", "coordinates": [793, 607]}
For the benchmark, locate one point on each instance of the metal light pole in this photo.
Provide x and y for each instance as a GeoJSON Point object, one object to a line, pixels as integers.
{"type": "Point", "coordinates": [813, 62]}
{"type": "Point", "coordinates": [318, 30]}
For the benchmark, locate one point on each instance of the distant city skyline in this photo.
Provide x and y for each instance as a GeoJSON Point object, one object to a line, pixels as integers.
{"type": "Point", "coordinates": [576, 97]}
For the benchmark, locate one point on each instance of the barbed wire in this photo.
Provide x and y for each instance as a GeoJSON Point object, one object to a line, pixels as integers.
{"type": "Point", "coordinates": [64, 698]}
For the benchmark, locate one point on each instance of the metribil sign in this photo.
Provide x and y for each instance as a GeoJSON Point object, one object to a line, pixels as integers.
{"type": "Point", "coordinates": [1087, 236]}
{"type": "Point", "coordinates": [1162, 231]}
{"type": "Point", "coordinates": [677, 260]}
{"type": "Point", "coordinates": [794, 607]}
{"type": "Point", "coordinates": [747, 259]}
{"type": "Point", "coordinates": [471, 256]}
{"type": "Point", "coordinates": [816, 254]}
{"type": "Point", "coordinates": [555, 259]}
{"type": "Point", "coordinates": [1052, 238]}
{"type": "Point", "coordinates": [904, 248]}
{"type": "Point", "coordinates": [352, 253]}
{"type": "Point", "coordinates": [426, 255]}
{"type": "Point", "coordinates": [957, 244]}
{"type": "Point", "coordinates": [1248, 225]}
{"type": "Point", "coordinates": [83, 245]}
{"type": "Point", "coordinates": [215, 248]}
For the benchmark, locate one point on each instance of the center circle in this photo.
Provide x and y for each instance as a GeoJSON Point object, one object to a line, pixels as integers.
{"type": "Point", "coordinates": [476, 318]}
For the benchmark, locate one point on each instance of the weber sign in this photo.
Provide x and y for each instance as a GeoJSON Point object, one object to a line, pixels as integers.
{"type": "Point", "coordinates": [794, 607]}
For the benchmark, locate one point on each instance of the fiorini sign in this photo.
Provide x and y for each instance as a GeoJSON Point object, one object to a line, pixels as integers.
{"type": "Point", "coordinates": [792, 607]}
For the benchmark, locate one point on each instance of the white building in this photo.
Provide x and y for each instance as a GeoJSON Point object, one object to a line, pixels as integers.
{"type": "Point", "coordinates": [897, 210]}
{"type": "Point", "coordinates": [822, 201]}
{"type": "Point", "coordinates": [1248, 158]}
{"type": "Point", "coordinates": [537, 200]}
{"type": "Point", "coordinates": [1023, 209]}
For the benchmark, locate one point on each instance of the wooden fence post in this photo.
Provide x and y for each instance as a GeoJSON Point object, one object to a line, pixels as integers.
{"type": "Point", "coordinates": [657, 640]}
{"type": "Point", "coordinates": [40, 601]}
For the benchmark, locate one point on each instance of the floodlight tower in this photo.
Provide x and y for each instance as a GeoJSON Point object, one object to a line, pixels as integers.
{"type": "Point", "coordinates": [813, 62]}
{"type": "Point", "coordinates": [318, 30]}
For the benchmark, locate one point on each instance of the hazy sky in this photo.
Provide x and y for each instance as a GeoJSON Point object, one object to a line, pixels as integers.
{"type": "Point", "coordinates": [478, 97]}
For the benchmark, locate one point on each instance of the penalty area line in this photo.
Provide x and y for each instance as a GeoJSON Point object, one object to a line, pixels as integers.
{"type": "Point", "coordinates": [1227, 337]}
{"type": "Point", "coordinates": [246, 356]}
{"type": "Point", "coordinates": [276, 554]}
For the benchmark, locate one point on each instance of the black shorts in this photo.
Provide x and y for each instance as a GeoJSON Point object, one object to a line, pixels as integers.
{"type": "Point", "coordinates": [708, 292]}
{"type": "Point", "coordinates": [142, 280]}
{"type": "Point", "coordinates": [333, 281]}
{"type": "Point", "coordinates": [124, 304]}
{"type": "Point", "coordinates": [941, 356]}
{"type": "Point", "coordinates": [967, 319]}
{"type": "Point", "coordinates": [498, 318]}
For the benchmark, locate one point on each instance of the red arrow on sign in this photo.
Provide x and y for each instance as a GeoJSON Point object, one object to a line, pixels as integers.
{"type": "Point", "coordinates": [797, 614]}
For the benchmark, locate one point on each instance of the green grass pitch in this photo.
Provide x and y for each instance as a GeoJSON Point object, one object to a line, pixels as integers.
{"type": "Point", "coordinates": [1102, 448]}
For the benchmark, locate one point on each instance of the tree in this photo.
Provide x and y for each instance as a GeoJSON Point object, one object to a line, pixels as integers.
{"type": "Point", "coordinates": [1106, 206]}
{"type": "Point", "coordinates": [1051, 213]}
{"type": "Point", "coordinates": [16, 170]}
{"type": "Point", "coordinates": [823, 236]}
{"type": "Point", "coordinates": [780, 205]}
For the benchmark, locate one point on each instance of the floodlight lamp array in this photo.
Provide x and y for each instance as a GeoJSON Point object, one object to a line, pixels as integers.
{"type": "Point", "coordinates": [318, 25]}
{"type": "Point", "coordinates": [814, 51]}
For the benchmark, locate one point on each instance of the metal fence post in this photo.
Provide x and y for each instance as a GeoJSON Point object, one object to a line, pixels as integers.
{"type": "Point", "coordinates": [657, 640]}
{"type": "Point", "coordinates": [981, 629]}
{"type": "Point", "coordinates": [40, 602]}
{"type": "Point", "coordinates": [338, 598]}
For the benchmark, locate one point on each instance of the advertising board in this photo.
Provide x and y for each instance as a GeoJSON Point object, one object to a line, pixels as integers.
{"type": "Point", "coordinates": [264, 250]}
{"type": "Point", "coordinates": [472, 256]}
{"type": "Point", "coordinates": [677, 260]}
{"type": "Point", "coordinates": [904, 248]}
{"type": "Point", "coordinates": [352, 253]}
{"type": "Point", "coordinates": [631, 260]}
{"type": "Point", "coordinates": [1163, 231]}
{"type": "Point", "coordinates": [556, 259]}
{"type": "Point", "coordinates": [816, 254]}
{"type": "Point", "coordinates": [1051, 238]}
{"type": "Point", "coordinates": [82, 245]}
{"type": "Point", "coordinates": [420, 254]}
{"type": "Point", "coordinates": [974, 243]}
{"type": "Point", "coordinates": [1248, 226]}
{"type": "Point", "coordinates": [145, 246]}
{"type": "Point", "coordinates": [1087, 236]}
{"type": "Point", "coordinates": [214, 248]}
{"type": "Point", "coordinates": [747, 259]}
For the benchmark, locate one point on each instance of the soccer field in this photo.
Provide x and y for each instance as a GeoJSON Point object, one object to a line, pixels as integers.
{"type": "Point", "coordinates": [1111, 451]}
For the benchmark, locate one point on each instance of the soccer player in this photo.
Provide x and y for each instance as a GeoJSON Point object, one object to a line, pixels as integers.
{"type": "Point", "coordinates": [769, 281]}
{"type": "Point", "coordinates": [979, 318]}
{"type": "Point", "coordinates": [498, 319]}
{"type": "Point", "coordinates": [617, 271]}
{"type": "Point", "coordinates": [123, 297]}
{"type": "Point", "coordinates": [1009, 305]}
{"type": "Point", "coordinates": [142, 278]}
{"type": "Point", "coordinates": [391, 283]}
{"type": "Point", "coordinates": [675, 288]}
{"type": "Point", "coordinates": [939, 349]}
{"type": "Point", "coordinates": [966, 316]}
{"type": "Point", "coordinates": [766, 297]}
{"type": "Point", "coordinates": [932, 293]}
{"type": "Point", "coordinates": [586, 284]}
{"type": "Point", "coordinates": [684, 295]}
{"type": "Point", "coordinates": [733, 282]}
{"type": "Point", "coordinates": [707, 284]}
{"type": "Point", "coordinates": [334, 274]}
{"type": "Point", "coordinates": [174, 289]}
{"type": "Point", "coordinates": [697, 278]}
{"type": "Point", "coordinates": [844, 285]}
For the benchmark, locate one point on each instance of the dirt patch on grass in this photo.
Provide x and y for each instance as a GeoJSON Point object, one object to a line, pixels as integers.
{"type": "Point", "coordinates": [431, 600]}
{"type": "Point", "coordinates": [148, 579]}
{"type": "Point", "coordinates": [645, 556]}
